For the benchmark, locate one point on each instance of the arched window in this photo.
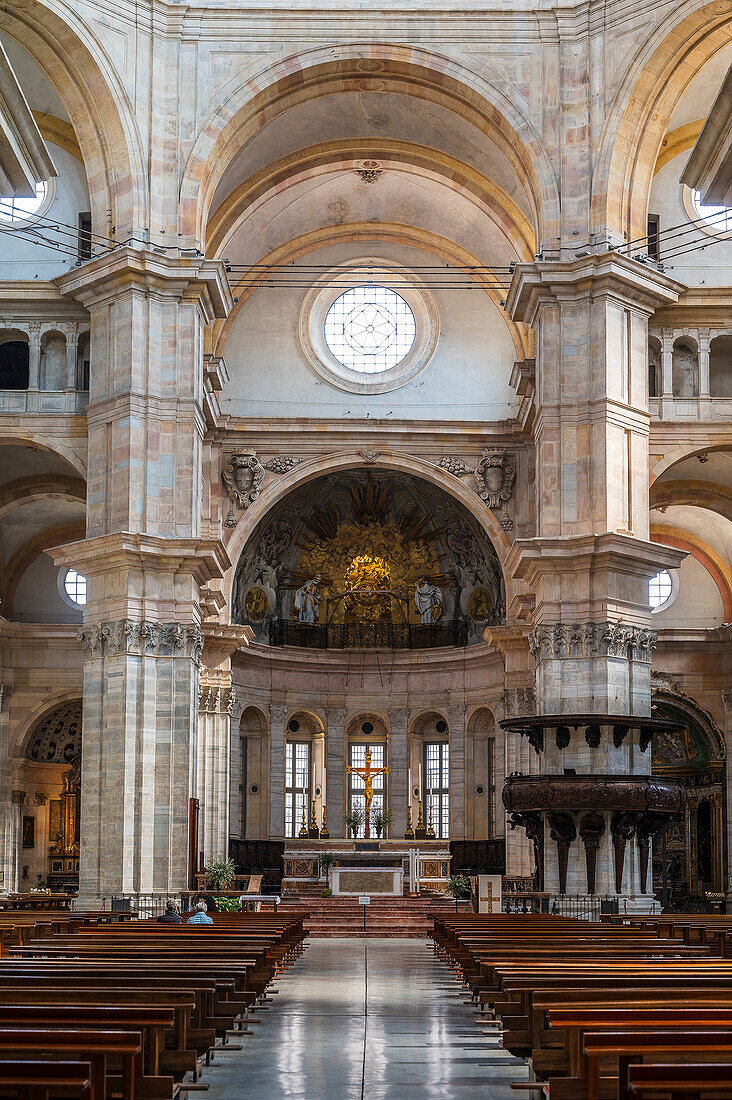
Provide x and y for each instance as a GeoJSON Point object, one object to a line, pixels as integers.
{"type": "Point", "coordinates": [297, 786]}
{"type": "Point", "coordinates": [436, 767]}
{"type": "Point", "coordinates": [14, 365]}
{"type": "Point", "coordinates": [357, 785]}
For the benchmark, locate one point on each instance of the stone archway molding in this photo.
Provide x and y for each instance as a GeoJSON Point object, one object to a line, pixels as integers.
{"type": "Point", "coordinates": [347, 461]}
{"type": "Point", "coordinates": [246, 103]}
{"type": "Point", "coordinates": [667, 690]}
{"type": "Point", "coordinates": [76, 62]}
{"type": "Point", "coordinates": [656, 77]}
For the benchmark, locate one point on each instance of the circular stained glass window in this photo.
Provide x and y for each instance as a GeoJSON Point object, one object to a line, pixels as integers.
{"type": "Point", "coordinates": [75, 587]}
{"type": "Point", "coordinates": [369, 329]}
{"type": "Point", "coordinates": [14, 209]}
{"type": "Point", "coordinates": [659, 588]}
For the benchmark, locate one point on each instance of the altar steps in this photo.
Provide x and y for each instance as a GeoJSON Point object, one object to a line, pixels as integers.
{"type": "Point", "coordinates": [385, 917]}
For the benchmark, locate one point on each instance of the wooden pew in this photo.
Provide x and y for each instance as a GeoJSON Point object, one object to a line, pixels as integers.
{"type": "Point", "coordinates": [632, 1046]}
{"type": "Point", "coordinates": [26, 1080]}
{"type": "Point", "coordinates": [94, 1046]}
{"type": "Point", "coordinates": [691, 1081]}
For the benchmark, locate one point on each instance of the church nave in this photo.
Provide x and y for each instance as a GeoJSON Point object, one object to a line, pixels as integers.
{"type": "Point", "coordinates": [357, 1018]}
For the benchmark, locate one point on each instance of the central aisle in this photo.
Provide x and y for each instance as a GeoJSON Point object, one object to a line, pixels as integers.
{"type": "Point", "coordinates": [366, 1019]}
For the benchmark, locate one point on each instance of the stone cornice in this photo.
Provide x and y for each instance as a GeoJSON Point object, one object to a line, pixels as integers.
{"type": "Point", "coordinates": [340, 662]}
{"type": "Point", "coordinates": [530, 558]}
{"type": "Point", "coordinates": [127, 268]}
{"type": "Point", "coordinates": [203, 559]}
{"type": "Point", "coordinates": [640, 286]}
{"type": "Point", "coordinates": [226, 638]}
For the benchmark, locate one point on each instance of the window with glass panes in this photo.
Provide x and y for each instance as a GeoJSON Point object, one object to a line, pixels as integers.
{"type": "Point", "coordinates": [297, 785]}
{"type": "Point", "coordinates": [437, 786]}
{"type": "Point", "coordinates": [357, 759]}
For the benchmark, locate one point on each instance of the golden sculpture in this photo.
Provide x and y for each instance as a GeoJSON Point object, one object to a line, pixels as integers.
{"type": "Point", "coordinates": [369, 555]}
{"type": "Point", "coordinates": [256, 605]}
{"type": "Point", "coordinates": [367, 773]}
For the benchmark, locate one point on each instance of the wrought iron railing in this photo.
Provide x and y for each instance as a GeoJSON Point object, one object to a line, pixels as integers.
{"type": "Point", "coordinates": [449, 632]}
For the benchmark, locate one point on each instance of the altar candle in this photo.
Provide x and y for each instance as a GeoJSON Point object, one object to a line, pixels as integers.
{"type": "Point", "coordinates": [420, 780]}
{"type": "Point", "coordinates": [410, 785]}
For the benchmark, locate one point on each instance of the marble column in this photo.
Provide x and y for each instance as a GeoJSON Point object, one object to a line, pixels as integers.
{"type": "Point", "coordinates": [335, 718]}
{"type": "Point", "coordinates": [591, 559]}
{"type": "Point", "coordinates": [215, 702]}
{"type": "Point", "coordinates": [277, 717]}
{"type": "Point", "coordinates": [146, 563]}
{"type": "Point", "coordinates": [34, 356]}
{"type": "Point", "coordinates": [398, 779]}
{"type": "Point", "coordinates": [8, 809]}
{"type": "Point", "coordinates": [456, 720]}
{"type": "Point", "coordinates": [72, 352]}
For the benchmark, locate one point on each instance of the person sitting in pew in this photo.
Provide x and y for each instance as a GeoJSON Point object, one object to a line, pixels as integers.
{"type": "Point", "coordinates": [200, 916]}
{"type": "Point", "coordinates": [171, 914]}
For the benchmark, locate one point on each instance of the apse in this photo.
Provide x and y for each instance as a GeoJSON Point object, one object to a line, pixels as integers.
{"type": "Point", "coordinates": [368, 559]}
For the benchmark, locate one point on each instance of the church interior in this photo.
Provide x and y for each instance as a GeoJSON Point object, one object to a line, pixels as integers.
{"type": "Point", "coordinates": [366, 532]}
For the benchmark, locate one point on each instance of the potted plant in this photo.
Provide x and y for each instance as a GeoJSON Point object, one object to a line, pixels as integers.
{"type": "Point", "coordinates": [353, 820]}
{"type": "Point", "coordinates": [220, 874]}
{"type": "Point", "coordinates": [458, 886]}
{"type": "Point", "coordinates": [382, 820]}
{"type": "Point", "coordinates": [327, 860]}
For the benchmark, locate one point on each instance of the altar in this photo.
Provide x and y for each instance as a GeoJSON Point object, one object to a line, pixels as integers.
{"type": "Point", "coordinates": [378, 867]}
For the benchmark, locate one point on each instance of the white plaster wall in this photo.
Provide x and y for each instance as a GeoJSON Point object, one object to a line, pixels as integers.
{"type": "Point", "coordinates": [698, 604]}
{"type": "Point", "coordinates": [707, 266]}
{"type": "Point", "coordinates": [22, 258]}
{"type": "Point", "coordinates": [37, 598]}
{"type": "Point", "coordinates": [467, 377]}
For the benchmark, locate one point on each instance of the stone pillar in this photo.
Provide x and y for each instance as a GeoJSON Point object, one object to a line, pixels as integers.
{"type": "Point", "coordinates": [398, 779]}
{"type": "Point", "coordinates": [703, 338]}
{"type": "Point", "coordinates": [34, 356]}
{"type": "Point", "coordinates": [335, 794]}
{"type": "Point", "coordinates": [216, 706]}
{"type": "Point", "coordinates": [456, 719]}
{"type": "Point", "coordinates": [727, 698]}
{"type": "Point", "coordinates": [145, 561]}
{"type": "Point", "coordinates": [277, 715]}
{"type": "Point", "coordinates": [215, 701]}
{"type": "Point", "coordinates": [667, 368]}
{"type": "Point", "coordinates": [591, 560]}
{"type": "Point", "coordinates": [72, 352]}
{"type": "Point", "coordinates": [8, 809]}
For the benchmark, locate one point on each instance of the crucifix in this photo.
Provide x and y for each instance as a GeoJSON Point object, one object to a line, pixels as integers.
{"type": "Point", "coordinates": [367, 773]}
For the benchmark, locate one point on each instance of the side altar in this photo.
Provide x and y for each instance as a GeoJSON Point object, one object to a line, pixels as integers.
{"type": "Point", "coordinates": [383, 867]}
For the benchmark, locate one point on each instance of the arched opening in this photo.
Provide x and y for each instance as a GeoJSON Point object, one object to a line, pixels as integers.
{"type": "Point", "coordinates": [720, 366]}
{"type": "Point", "coordinates": [429, 772]}
{"type": "Point", "coordinates": [367, 796]}
{"type": "Point", "coordinates": [14, 361]}
{"type": "Point", "coordinates": [695, 845]}
{"type": "Point", "coordinates": [304, 774]}
{"type": "Point", "coordinates": [369, 559]}
{"type": "Point", "coordinates": [685, 367]}
{"type": "Point", "coordinates": [249, 768]}
{"type": "Point", "coordinates": [53, 372]}
{"type": "Point", "coordinates": [51, 776]}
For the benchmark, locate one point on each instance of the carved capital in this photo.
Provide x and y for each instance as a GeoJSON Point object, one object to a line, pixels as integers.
{"type": "Point", "coordinates": [5, 692]}
{"type": "Point", "coordinates": [278, 713]}
{"type": "Point", "coordinates": [126, 637]}
{"type": "Point", "coordinates": [40, 799]}
{"type": "Point", "coordinates": [573, 640]}
{"type": "Point", "coordinates": [18, 797]}
{"type": "Point", "coordinates": [518, 702]}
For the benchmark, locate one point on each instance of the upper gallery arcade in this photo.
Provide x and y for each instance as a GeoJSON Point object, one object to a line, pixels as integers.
{"type": "Point", "coordinates": [364, 382]}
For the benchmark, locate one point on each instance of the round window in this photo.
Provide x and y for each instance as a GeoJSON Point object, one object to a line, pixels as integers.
{"type": "Point", "coordinates": [17, 210]}
{"type": "Point", "coordinates": [715, 220]}
{"type": "Point", "coordinates": [368, 326]}
{"type": "Point", "coordinates": [73, 587]}
{"type": "Point", "coordinates": [369, 329]}
{"type": "Point", "coordinates": [661, 590]}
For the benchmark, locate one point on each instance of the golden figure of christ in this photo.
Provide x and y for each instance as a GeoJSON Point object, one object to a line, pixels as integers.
{"type": "Point", "coordinates": [367, 773]}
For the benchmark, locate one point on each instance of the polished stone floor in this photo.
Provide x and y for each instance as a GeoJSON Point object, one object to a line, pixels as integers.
{"type": "Point", "coordinates": [366, 1019]}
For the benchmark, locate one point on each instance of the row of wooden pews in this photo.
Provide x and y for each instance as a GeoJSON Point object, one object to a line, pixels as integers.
{"type": "Point", "coordinates": [604, 1011]}
{"type": "Point", "coordinates": [134, 1010]}
{"type": "Point", "coordinates": [712, 929]}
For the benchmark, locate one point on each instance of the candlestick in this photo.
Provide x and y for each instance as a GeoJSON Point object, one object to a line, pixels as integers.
{"type": "Point", "coordinates": [324, 834]}
{"type": "Point", "coordinates": [409, 834]}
